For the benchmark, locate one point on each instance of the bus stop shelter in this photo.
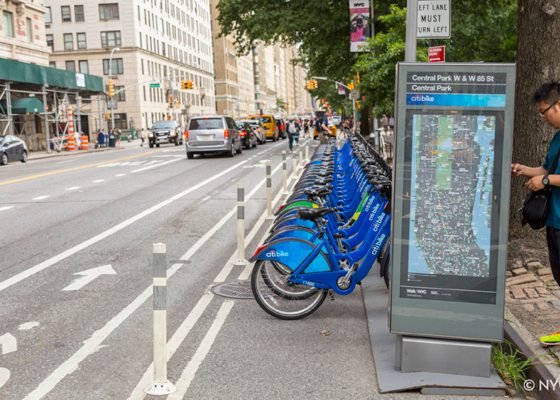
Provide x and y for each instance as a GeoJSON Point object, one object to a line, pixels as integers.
{"type": "Point", "coordinates": [37, 103]}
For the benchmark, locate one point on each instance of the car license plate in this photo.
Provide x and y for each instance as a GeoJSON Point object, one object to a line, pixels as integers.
{"type": "Point", "coordinates": [205, 136]}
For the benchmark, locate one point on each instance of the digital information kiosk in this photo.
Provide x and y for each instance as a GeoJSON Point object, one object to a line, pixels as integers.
{"type": "Point", "coordinates": [453, 146]}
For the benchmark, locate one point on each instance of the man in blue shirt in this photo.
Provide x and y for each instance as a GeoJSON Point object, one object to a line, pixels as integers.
{"type": "Point", "coordinates": [547, 98]}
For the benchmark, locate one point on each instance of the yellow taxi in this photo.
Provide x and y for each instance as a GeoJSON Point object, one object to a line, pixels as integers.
{"type": "Point", "coordinates": [269, 124]}
{"type": "Point", "coordinates": [332, 126]}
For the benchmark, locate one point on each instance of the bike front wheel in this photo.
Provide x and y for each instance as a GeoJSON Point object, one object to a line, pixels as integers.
{"type": "Point", "coordinates": [269, 283]}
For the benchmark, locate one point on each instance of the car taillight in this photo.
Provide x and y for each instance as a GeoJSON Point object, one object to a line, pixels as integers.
{"type": "Point", "coordinates": [186, 135]}
{"type": "Point", "coordinates": [282, 127]}
{"type": "Point", "coordinates": [226, 134]}
{"type": "Point", "coordinates": [242, 133]}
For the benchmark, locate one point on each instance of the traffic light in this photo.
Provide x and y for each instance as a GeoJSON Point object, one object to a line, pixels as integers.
{"type": "Point", "coordinates": [108, 115]}
{"type": "Point", "coordinates": [357, 104]}
{"type": "Point", "coordinates": [170, 101]}
{"type": "Point", "coordinates": [314, 84]}
{"type": "Point", "coordinates": [357, 79]}
{"type": "Point", "coordinates": [189, 85]}
{"type": "Point", "coordinates": [176, 103]}
{"type": "Point", "coordinates": [111, 89]}
{"type": "Point", "coordinates": [183, 84]}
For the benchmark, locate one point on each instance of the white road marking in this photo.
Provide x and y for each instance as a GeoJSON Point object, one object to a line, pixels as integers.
{"type": "Point", "coordinates": [6, 208]}
{"type": "Point", "coordinates": [8, 343]}
{"type": "Point", "coordinates": [189, 372]}
{"type": "Point", "coordinates": [27, 326]}
{"type": "Point", "coordinates": [170, 156]}
{"type": "Point", "coordinates": [51, 261]}
{"type": "Point", "coordinates": [204, 199]}
{"type": "Point", "coordinates": [41, 197]}
{"type": "Point", "coordinates": [120, 175]}
{"type": "Point", "coordinates": [88, 276]}
{"type": "Point", "coordinates": [4, 376]}
{"type": "Point", "coordinates": [161, 163]}
{"type": "Point", "coordinates": [99, 180]}
{"type": "Point", "coordinates": [73, 188]}
{"type": "Point", "coordinates": [64, 162]}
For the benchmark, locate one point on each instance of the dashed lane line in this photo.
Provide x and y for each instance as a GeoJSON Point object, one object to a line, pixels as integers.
{"type": "Point", "coordinates": [73, 188]}
{"type": "Point", "coordinates": [158, 165]}
{"type": "Point", "coordinates": [74, 169]}
{"type": "Point", "coordinates": [6, 208]}
{"type": "Point", "coordinates": [41, 197]}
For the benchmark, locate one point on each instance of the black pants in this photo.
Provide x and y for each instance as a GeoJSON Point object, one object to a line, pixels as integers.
{"type": "Point", "coordinates": [291, 137]}
{"type": "Point", "coordinates": [553, 241]}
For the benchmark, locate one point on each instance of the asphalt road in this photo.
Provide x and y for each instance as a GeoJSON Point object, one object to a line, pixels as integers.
{"type": "Point", "coordinates": [89, 336]}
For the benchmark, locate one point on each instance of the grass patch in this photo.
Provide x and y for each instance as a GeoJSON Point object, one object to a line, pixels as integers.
{"type": "Point", "coordinates": [510, 366]}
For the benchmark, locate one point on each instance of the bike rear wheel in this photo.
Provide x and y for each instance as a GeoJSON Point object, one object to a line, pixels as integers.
{"type": "Point", "coordinates": [276, 297]}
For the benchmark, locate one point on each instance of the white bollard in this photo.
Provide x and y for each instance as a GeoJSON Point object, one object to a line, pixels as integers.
{"type": "Point", "coordinates": [300, 158]}
{"type": "Point", "coordinates": [294, 164]}
{"type": "Point", "coordinates": [241, 261]}
{"type": "Point", "coordinates": [307, 150]}
{"type": "Point", "coordinates": [284, 173]}
{"type": "Point", "coordinates": [161, 386]}
{"type": "Point", "coordinates": [269, 191]}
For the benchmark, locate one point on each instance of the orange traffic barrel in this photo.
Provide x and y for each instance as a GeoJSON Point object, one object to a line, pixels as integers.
{"type": "Point", "coordinates": [71, 143]}
{"type": "Point", "coordinates": [85, 142]}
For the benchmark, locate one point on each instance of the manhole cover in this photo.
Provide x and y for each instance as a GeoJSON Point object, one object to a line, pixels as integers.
{"type": "Point", "coordinates": [235, 290]}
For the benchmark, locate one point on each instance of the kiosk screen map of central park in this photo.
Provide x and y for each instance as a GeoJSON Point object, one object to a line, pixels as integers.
{"type": "Point", "coordinates": [451, 190]}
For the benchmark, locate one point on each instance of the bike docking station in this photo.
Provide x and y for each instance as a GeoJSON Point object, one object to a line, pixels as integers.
{"type": "Point", "coordinates": [449, 233]}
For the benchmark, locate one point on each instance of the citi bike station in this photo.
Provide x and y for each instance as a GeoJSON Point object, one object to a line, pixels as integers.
{"type": "Point", "coordinates": [426, 239]}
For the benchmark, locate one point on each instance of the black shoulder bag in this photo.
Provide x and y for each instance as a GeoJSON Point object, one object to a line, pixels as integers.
{"type": "Point", "coordinates": [537, 204]}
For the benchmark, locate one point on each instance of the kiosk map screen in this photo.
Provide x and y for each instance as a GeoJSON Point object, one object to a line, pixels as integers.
{"type": "Point", "coordinates": [451, 189]}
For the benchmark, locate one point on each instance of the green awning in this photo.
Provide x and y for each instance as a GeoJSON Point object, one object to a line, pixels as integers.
{"type": "Point", "coordinates": [15, 71]}
{"type": "Point", "coordinates": [31, 105]}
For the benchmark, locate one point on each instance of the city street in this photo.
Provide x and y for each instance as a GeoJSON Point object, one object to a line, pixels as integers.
{"type": "Point", "coordinates": [67, 335]}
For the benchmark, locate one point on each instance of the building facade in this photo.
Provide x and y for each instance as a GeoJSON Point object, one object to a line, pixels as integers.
{"type": "Point", "coordinates": [22, 32]}
{"type": "Point", "coordinates": [147, 46]}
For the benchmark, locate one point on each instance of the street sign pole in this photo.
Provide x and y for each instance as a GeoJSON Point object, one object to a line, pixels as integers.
{"type": "Point", "coordinates": [411, 23]}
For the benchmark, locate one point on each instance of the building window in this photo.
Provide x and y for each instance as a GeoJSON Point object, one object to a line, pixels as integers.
{"type": "Point", "coordinates": [120, 121]}
{"type": "Point", "coordinates": [50, 41]}
{"type": "Point", "coordinates": [66, 14]}
{"type": "Point", "coordinates": [48, 16]}
{"type": "Point", "coordinates": [163, 49]}
{"type": "Point", "coordinates": [70, 66]}
{"type": "Point", "coordinates": [8, 28]}
{"type": "Point", "coordinates": [83, 65]}
{"type": "Point", "coordinates": [28, 29]}
{"type": "Point", "coordinates": [116, 68]}
{"type": "Point", "coordinates": [79, 12]}
{"type": "Point", "coordinates": [52, 64]}
{"type": "Point", "coordinates": [142, 63]}
{"type": "Point", "coordinates": [120, 96]}
{"type": "Point", "coordinates": [81, 37]}
{"type": "Point", "coordinates": [111, 39]}
{"type": "Point", "coordinates": [68, 41]}
{"type": "Point", "coordinates": [108, 11]}
{"type": "Point", "coordinates": [144, 87]}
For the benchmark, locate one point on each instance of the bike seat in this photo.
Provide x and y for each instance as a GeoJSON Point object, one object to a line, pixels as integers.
{"type": "Point", "coordinates": [312, 214]}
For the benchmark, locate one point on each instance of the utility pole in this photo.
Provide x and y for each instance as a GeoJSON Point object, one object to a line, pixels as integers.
{"type": "Point", "coordinates": [171, 85]}
{"type": "Point", "coordinates": [411, 28]}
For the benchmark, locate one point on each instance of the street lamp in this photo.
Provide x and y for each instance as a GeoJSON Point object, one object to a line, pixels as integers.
{"type": "Point", "coordinates": [111, 77]}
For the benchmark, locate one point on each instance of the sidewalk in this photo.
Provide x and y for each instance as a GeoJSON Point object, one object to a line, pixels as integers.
{"type": "Point", "coordinates": [39, 155]}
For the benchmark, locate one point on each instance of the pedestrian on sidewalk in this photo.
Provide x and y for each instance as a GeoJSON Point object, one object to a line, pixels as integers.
{"type": "Point", "coordinates": [385, 123]}
{"type": "Point", "coordinates": [325, 131]}
{"type": "Point", "coordinates": [391, 123]}
{"type": "Point", "coordinates": [547, 98]}
{"type": "Point", "coordinates": [118, 137]}
{"type": "Point", "coordinates": [142, 136]}
{"type": "Point", "coordinates": [293, 132]}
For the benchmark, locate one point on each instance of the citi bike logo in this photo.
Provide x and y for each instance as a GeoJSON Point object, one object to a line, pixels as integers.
{"type": "Point", "coordinates": [378, 243]}
{"type": "Point", "coordinates": [374, 211]}
{"type": "Point", "coordinates": [422, 98]}
{"type": "Point", "coordinates": [377, 223]}
{"type": "Point", "coordinates": [274, 253]}
{"type": "Point", "coordinates": [369, 202]}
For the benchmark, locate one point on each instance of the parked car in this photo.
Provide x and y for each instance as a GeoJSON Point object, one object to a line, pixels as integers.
{"type": "Point", "coordinates": [269, 124]}
{"type": "Point", "coordinates": [337, 120]}
{"type": "Point", "coordinates": [12, 149]}
{"type": "Point", "coordinates": [212, 134]}
{"type": "Point", "coordinates": [259, 130]}
{"type": "Point", "coordinates": [165, 132]}
{"type": "Point", "coordinates": [247, 134]}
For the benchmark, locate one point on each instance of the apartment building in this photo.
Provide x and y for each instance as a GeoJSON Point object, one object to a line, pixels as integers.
{"type": "Point", "coordinates": [22, 32]}
{"type": "Point", "coordinates": [142, 43]}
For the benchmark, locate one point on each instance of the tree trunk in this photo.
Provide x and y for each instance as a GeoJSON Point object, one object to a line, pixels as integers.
{"type": "Point", "coordinates": [538, 45]}
{"type": "Point", "coordinates": [365, 112]}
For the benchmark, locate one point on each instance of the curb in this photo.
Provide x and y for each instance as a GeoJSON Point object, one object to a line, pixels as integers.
{"type": "Point", "coordinates": [514, 331]}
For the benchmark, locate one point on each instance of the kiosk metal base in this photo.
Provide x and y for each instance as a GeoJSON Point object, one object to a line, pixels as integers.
{"type": "Point", "coordinates": [383, 344]}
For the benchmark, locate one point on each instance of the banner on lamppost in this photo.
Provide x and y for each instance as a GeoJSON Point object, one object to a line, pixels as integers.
{"type": "Point", "coordinates": [359, 24]}
{"type": "Point", "coordinates": [341, 90]}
